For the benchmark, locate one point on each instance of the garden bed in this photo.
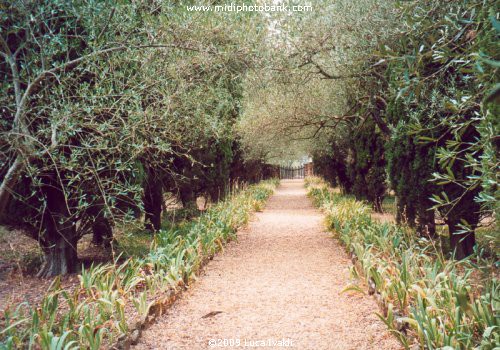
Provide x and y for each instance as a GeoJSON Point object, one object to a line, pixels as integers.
{"type": "Point", "coordinates": [112, 303]}
{"type": "Point", "coordinates": [425, 298]}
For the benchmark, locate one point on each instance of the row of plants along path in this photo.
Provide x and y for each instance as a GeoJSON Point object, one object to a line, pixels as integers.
{"type": "Point", "coordinates": [114, 302]}
{"type": "Point", "coordinates": [427, 300]}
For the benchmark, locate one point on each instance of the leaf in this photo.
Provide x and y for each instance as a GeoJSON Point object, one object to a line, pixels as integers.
{"type": "Point", "coordinates": [15, 324]}
{"type": "Point", "coordinates": [493, 95]}
{"type": "Point", "coordinates": [427, 138]}
{"type": "Point", "coordinates": [487, 332]}
{"type": "Point", "coordinates": [491, 62]}
{"type": "Point", "coordinates": [211, 314]}
{"type": "Point", "coordinates": [495, 23]}
{"type": "Point", "coordinates": [354, 288]}
{"type": "Point", "coordinates": [450, 107]}
{"type": "Point", "coordinates": [410, 321]}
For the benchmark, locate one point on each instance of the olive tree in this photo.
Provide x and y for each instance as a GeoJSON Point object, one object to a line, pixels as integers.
{"type": "Point", "coordinates": [100, 100]}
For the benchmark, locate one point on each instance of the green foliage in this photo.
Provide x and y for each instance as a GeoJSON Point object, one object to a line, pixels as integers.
{"type": "Point", "coordinates": [366, 169]}
{"type": "Point", "coordinates": [441, 128]}
{"type": "Point", "coordinates": [93, 314]}
{"type": "Point", "coordinates": [99, 96]}
{"type": "Point", "coordinates": [442, 301]}
{"type": "Point", "coordinates": [332, 164]}
{"type": "Point", "coordinates": [356, 163]}
{"type": "Point", "coordinates": [419, 76]}
{"type": "Point", "coordinates": [411, 162]}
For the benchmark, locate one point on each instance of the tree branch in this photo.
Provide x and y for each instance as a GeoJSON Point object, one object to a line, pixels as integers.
{"type": "Point", "coordinates": [327, 75]}
{"type": "Point", "coordinates": [379, 104]}
{"type": "Point", "coordinates": [13, 68]}
{"type": "Point", "coordinates": [19, 127]}
{"type": "Point", "coordinates": [9, 181]}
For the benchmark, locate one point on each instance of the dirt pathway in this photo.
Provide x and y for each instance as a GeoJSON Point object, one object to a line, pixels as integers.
{"type": "Point", "coordinates": [280, 284]}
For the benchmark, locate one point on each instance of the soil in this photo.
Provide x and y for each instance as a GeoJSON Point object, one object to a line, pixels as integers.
{"type": "Point", "coordinates": [283, 280]}
{"type": "Point", "coordinates": [20, 260]}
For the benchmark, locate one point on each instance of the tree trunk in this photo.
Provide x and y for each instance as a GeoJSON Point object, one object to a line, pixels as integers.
{"type": "Point", "coordinates": [59, 239]}
{"type": "Point", "coordinates": [426, 223]}
{"type": "Point", "coordinates": [377, 204]}
{"type": "Point", "coordinates": [187, 197]}
{"type": "Point", "coordinates": [216, 193]}
{"type": "Point", "coordinates": [153, 199]}
{"type": "Point", "coordinates": [462, 245]}
{"type": "Point", "coordinates": [60, 258]}
{"type": "Point", "coordinates": [400, 212]}
{"type": "Point", "coordinates": [102, 233]}
{"type": "Point", "coordinates": [405, 215]}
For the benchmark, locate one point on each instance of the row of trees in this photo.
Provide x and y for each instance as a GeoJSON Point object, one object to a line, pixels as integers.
{"type": "Point", "coordinates": [399, 96]}
{"type": "Point", "coordinates": [108, 105]}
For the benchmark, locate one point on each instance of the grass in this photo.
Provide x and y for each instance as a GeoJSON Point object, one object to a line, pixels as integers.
{"type": "Point", "coordinates": [389, 204]}
{"type": "Point", "coordinates": [135, 244]}
{"type": "Point", "coordinates": [111, 297]}
{"type": "Point", "coordinates": [424, 297]}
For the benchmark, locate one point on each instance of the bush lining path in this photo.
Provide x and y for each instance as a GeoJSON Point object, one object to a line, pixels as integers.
{"type": "Point", "coordinates": [281, 280]}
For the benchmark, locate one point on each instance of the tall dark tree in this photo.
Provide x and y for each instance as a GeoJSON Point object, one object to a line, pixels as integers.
{"type": "Point", "coordinates": [410, 166]}
{"type": "Point", "coordinates": [366, 165]}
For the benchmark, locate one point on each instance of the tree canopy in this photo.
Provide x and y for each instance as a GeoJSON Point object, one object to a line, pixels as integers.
{"type": "Point", "coordinates": [108, 105]}
{"type": "Point", "coordinates": [389, 95]}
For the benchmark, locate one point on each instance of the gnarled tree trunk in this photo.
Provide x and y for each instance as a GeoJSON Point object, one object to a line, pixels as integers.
{"type": "Point", "coordinates": [60, 257]}
{"type": "Point", "coordinates": [59, 240]}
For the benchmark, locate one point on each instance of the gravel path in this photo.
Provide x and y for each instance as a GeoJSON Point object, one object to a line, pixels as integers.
{"type": "Point", "coordinates": [280, 284]}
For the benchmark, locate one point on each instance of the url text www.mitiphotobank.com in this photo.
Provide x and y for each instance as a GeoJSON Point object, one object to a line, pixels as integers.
{"type": "Point", "coordinates": [250, 8]}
